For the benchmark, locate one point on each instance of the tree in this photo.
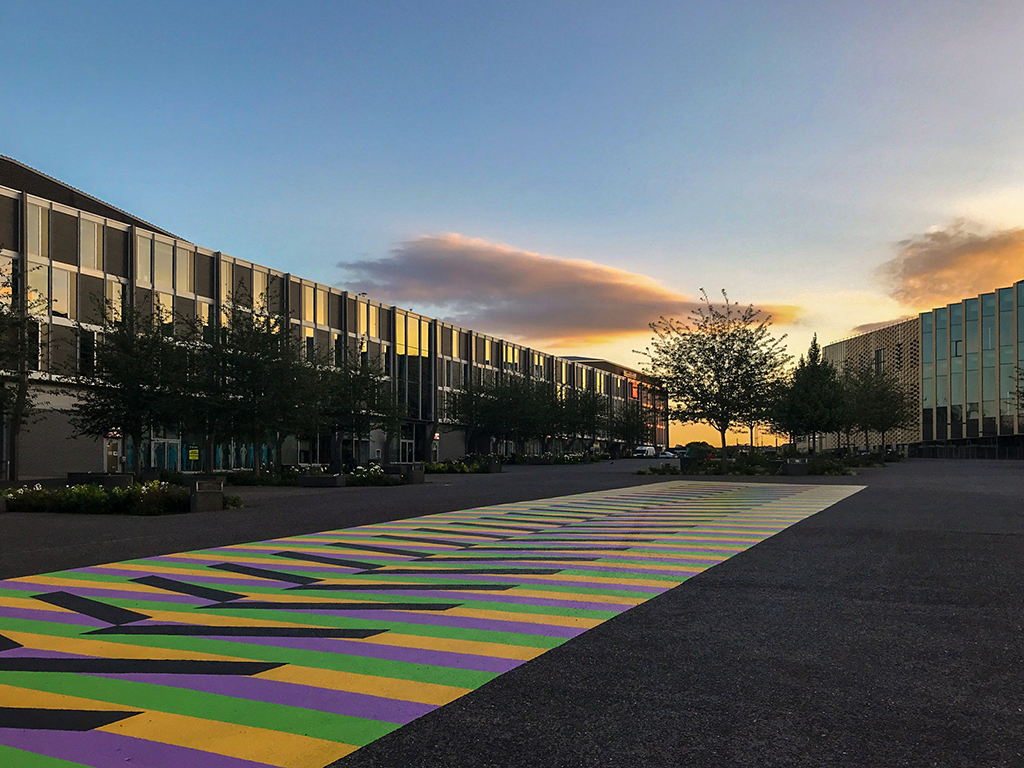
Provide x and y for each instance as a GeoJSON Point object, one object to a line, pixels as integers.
{"type": "Point", "coordinates": [138, 381]}
{"type": "Point", "coordinates": [362, 398]}
{"type": "Point", "coordinates": [814, 399]}
{"type": "Point", "coordinates": [718, 366]}
{"type": "Point", "coordinates": [19, 355]}
{"type": "Point", "coordinates": [880, 403]}
{"type": "Point", "coordinates": [630, 423]}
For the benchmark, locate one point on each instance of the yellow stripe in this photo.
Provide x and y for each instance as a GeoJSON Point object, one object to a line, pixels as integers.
{"type": "Point", "coordinates": [13, 696]}
{"type": "Point", "coordinates": [472, 647]}
{"type": "Point", "coordinates": [110, 586]}
{"type": "Point", "coordinates": [574, 596]}
{"type": "Point", "coordinates": [106, 649]}
{"type": "Point", "coordinates": [286, 750]}
{"type": "Point", "coordinates": [27, 604]}
{"type": "Point", "coordinates": [388, 687]}
{"type": "Point", "coordinates": [602, 580]}
{"type": "Point", "coordinates": [529, 618]}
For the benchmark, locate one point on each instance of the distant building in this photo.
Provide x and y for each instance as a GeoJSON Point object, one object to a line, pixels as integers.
{"type": "Point", "coordinates": [960, 362]}
{"type": "Point", "coordinates": [82, 250]}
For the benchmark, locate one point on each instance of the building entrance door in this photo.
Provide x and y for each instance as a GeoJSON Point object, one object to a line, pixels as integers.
{"type": "Point", "coordinates": [406, 452]}
{"type": "Point", "coordinates": [113, 456]}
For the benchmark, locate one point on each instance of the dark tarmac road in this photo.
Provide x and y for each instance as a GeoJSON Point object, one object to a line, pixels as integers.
{"type": "Point", "coordinates": [883, 631]}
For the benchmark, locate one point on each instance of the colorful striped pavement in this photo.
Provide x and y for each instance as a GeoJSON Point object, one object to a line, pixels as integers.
{"type": "Point", "coordinates": [295, 652]}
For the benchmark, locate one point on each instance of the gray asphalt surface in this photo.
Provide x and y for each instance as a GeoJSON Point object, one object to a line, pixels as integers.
{"type": "Point", "coordinates": [884, 631]}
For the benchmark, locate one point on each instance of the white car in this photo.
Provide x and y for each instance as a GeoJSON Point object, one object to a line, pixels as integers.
{"type": "Point", "coordinates": [644, 452]}
{"type": "Point", "coordinates": [666, 455]}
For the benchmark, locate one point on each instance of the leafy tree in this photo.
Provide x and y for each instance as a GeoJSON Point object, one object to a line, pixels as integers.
{"type": "Point", "coordinates": [361, 398]}
{"type": "Point", "coordinates": [631, 424]}
{"type": "Point", "coordinates": [718, 367]}
{"type": "Point", "coordinates": [879, 403]}
{"type": "Point", "coordinates": [19, 355]}
{"type": "Point", "coordinates": [814, 399]}
{"type": "Point", "coordinates": [138, 381]}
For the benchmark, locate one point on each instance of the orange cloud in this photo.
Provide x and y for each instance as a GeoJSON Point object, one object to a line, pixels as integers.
{"type": "Point", "coordinates": [952, 263]}
{"type": "Point", "coordinates": [518, 294]}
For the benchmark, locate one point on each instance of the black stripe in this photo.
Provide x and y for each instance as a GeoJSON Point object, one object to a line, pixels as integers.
{"type": "Point", "coordinates": [502, 526]}
{"type": "Point", "coordinates": [271, 606]}
{"type": "Point", "coordinates": [341, 563]}
{"type": "Point", "coordinates": [6, 644]}
{"type": "Point", "coordinates": [183, 588]}
{"type": "Point", "coordinates": [94, 608]}
{"type": "Point", "coordinates": [264, 573]}
{"type": "Point", "coordinates": [59, 719]}
{"type": "Point", "coordinates": [137, 666]}
{"type": "Point", "coordinates": [382, 550]}
{"type": "Point", "coordinates": [195, 630]}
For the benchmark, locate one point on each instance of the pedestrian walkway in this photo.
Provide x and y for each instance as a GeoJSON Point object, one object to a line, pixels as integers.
{"type": "Point", "coordinates": [297, 651]}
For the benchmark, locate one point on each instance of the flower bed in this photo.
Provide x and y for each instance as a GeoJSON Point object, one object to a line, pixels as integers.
{"type": "Point", "coordinates": [152, 498]}
{"type": "Point", "coordinates": [372, 475]}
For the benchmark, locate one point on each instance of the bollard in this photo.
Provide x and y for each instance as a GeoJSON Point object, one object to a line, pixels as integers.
{"type": "Point", "coordinates": [207, 496]}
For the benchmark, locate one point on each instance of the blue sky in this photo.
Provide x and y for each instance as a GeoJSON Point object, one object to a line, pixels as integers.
{"type": "Point", "coordinates": [778, 150]}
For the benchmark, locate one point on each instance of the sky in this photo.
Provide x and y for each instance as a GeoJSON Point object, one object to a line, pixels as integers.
{"type": "Point", "coordinates": [558, 173]}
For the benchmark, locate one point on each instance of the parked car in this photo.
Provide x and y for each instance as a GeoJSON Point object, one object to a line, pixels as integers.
{"type": "Point", "coordinates": [644, 452]}
{"type": "Point", "coordinates": [666, 454]}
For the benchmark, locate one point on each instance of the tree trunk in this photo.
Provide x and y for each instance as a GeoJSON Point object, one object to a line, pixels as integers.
{"type": "Point", "coordinates": [724, 462]}
{"type": "Point", "coordinates": [17, 419]}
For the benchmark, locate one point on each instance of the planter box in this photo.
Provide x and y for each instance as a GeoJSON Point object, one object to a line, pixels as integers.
{"type": "Point", "coordinates": [796, 467]}
{"type": "Point", "coordinates": [207, 496]}
{"type": "Point", "coordinates": [413, 474]}
{"type": "Point", "coordinates": [322, 481]}
{"type": "Point", "coordinates": [494, 465]}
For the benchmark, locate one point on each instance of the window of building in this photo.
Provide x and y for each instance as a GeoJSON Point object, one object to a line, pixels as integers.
{"type": "Point", "coordinates": [321, 307]}
{"type": "Point", "coordinates": [259, 290]}
{"type": "Point", "coordinates": [6, 280]}
{"type": "Point", "coordinates": [38, 280]}
{"type": "Point", "coordinates": [879, 361]}
{"type": "Point", "coordinates": [373, 326]}
{"type": "Point", "coordinates": [308, 307]}
{"type": "Point", "coordinates": [143, 260]}
{"type": "Point", "coordinates": [92, 245]}
{"type": "Point", "coordinates": [226, 294]}
{"type": "Point", "coordinates": [163, 264]}
{"type": "Point", "coordinates": [361, 319]}
{"type": "Point", "coordinates": [164, 307]}
{"type": "Point", "coordinates": [38, 231]}
{"type": "Point", "coordinates": [184, 268]}
{"type": "Point", "coordinates": [115, 300]}
{"type": "Point", "coordinates": [62, 298]}
{"type": "Point", "coordinates": [400, 344]}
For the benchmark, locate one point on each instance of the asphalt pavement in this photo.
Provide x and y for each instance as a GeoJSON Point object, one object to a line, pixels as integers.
{"type": "Point", "coordinates": [883, 631]}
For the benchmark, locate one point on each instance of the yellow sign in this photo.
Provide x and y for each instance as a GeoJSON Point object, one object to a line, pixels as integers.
{"type": "Point", "coordinates": [193, 454]}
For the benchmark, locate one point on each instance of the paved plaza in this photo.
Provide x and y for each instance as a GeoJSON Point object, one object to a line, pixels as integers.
{"type": "Point", "coordinates": [873, 620]}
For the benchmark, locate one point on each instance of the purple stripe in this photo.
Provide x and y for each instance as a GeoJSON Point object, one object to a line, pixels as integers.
{"type": "Point", "coordinates": [114, 593]}
{"type": "Point", "coordinates": [431, 658]}
{"type": "Point", "coordinates": [654, 590]}
{"type": "Point", "coordinates": [499, 597]}
{"type": "Point", "coordinates": [292, 695]}
{"type": "Point", "coordinates": [440, 620]}
{"type": "Point", "coordinates": [53, 617]}
{"type": "Point", "coordinates": [103, 750]}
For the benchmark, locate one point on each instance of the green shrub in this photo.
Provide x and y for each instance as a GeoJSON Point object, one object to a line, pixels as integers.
{"type": "Point", "coordinates": [152, 498]}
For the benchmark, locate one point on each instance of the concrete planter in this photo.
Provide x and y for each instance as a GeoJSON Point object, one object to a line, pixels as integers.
{"type": "Point", "coordinates": [494, 465]}
{"type": "Point", "coordinates": [322, 481]}
{"type": "Point", "coordinates": [207, 496]}
{"type": "Point", "coordinates": [796, 467]}
{"type": "Point", "coordinates": [413, 474]}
